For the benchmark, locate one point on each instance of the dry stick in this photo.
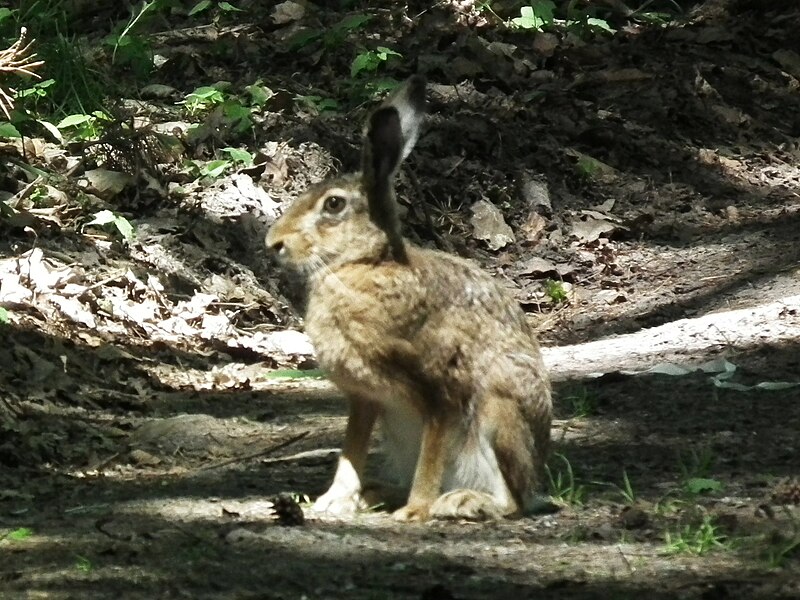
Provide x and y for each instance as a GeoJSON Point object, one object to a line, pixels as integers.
{"type": "Point", "coordinates": [16, 59]}
{"type": "Point", "coordinates": [260, 453]}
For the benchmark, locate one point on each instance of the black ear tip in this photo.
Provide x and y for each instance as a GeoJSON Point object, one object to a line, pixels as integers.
{"type": "Point", "coordinates": [416, 90]}
{"type": "Point", "coordinates": [384, 117]}
{"type": "Point", "coordinates": [417, 82]}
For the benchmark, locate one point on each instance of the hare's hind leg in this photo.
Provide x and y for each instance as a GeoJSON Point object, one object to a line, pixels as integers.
{"type": "Point", "coordinates": [437, 436]}
{"type": "Point", "coordinates": [476, 486]}
{"type": "Point", "coordinates": [344, 497]}
{"type": "Point", "coordinates": [497, 474]}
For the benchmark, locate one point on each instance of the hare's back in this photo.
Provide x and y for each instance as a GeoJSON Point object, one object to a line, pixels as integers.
{"type": "Point", "coordinates": [461, 289]}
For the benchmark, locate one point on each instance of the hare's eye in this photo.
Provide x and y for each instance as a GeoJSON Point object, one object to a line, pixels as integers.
{"type": "Point", "coordinates": [334, 205]}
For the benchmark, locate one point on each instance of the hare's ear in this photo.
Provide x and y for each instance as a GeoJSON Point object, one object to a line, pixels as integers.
{"type": "Point", "coordinates": [393, 130]}
{"type": "Point", "coordinates": [391, 133]}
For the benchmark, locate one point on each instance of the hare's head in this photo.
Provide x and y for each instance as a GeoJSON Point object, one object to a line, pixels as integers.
{"type": "Point", "coordinates": [354, 218]}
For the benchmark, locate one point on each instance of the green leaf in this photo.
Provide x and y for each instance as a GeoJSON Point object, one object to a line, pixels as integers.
{"type": "Point", "coordinates": [239, 156]}
{"type": "Point", "coordinates": [239, 115]}
{"type": "Point", "coordinates": [5, 13]}
{"type": "Point", "coordinates": [600, 24]}
{"type": "Point", "coordinates": [3, 315]}
{"type": "Point", "coordinates": [384, 53]}
{"type": "Point", "coordinates": [535, 16]}
{"type": "Point", "coordinates": [23, 533]}
{"type": "Point", "coordinates": [301, 39]}
{"type": "Point", "coordinates": [205, 92]}
{"type": "Point", "coordinates": [701, 485]}
{"type": "Point", "coordinates": [295, 374]}
{"type": "Point", "coordinates": [200, 7]}
{"type": "Point", "coordinates": [124, 227]}
{"type": "Point", "coordinates": [352, 22]}
{"type": "Point", "coordinates": [319, 103]}
{"type": "Point", "coordinates": [228, 7]}
{"type": "Point", "coordinates": [39, 89]}
{"type": "Point", "coordinates": [215, 168]}
{"type": "Point", "coordinates": [544, 10]}
{"type": "Point", "coordinates": [363, 62]}
{"type": "Point", "coordinates": [104, 217]}
{"type": "Point", "coordinates": [259, 94]}
{"type": "Point", "coordinates": [51, 128]}
{"type": "Point", "coordinates": [74, 121]}
{"type": "Point", "coordinates": [83, 564]}
{"type": "Point", "coordinates": [378, 87]}
{"type": "Point", "coordinates": [7, 130]}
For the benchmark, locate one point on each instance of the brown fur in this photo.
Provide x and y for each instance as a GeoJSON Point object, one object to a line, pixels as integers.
{"type": "Point", "coordinates": [418, 335]}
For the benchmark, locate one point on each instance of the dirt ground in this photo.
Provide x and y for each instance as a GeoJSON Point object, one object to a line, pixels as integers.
{"type": "Point", "coordinates": [656, 173]}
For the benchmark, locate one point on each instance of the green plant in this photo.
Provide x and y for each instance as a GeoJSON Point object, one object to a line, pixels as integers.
{"type": "Point", "coordinates": [83, 564]}
{"type": "Point", "coordinates": [701, 485]}
{"type": "Point", "coordinates": [696, 463]}
{"type": "Point", "coordinates": [259, 93]}
{"type": "Point", "coordinates": [625, 490]}
{"type": "Point", "coordinates": [239, 156]}
{"type": "Point", "coordinates": [370, 60]}
{"type": "Point", "coordinates": [3, 316]}
{"type": "Point", "coordinates": [295, 374]}
{"type": "Point", "coordinates": [696, 540]}
{"type": "Point", "coordinates": [584, 20]}
{"type": "Point", "coordinates": [535, 16]}
{"type": "Point", "coordinates": [207, 170]}
{"type": "Point", "coordinates": [6, 14]}
{"type": "Point", "coordinates": [238, 116]}
{"type": "Point", "coordinates": [669, 504]}
{"type": "Point", "coordinates": [234, 115]}
{"type": "Point", "coordinates": [333, 36]}
{"type": "Point", "coordinates": [203, 5]}
{"type": "Point", "coordinates": [582, 403]}
{"type": "Point", "coordinates": [82, 126]}
{"type": "Point", "coordinates": [319, 104]}
{"type": "Point", "coordinates": [203, 99]}
{"type": "Point", "coordinates": [555, 291]}
{"type": "Point", "coordinates": [563, 485]}
{"type": "Point", "coordinates": [782, 548]}
{"type": "Point", "coordinates": [9, 130]}
{"type": "Point", "coordinates": [656, 17]}
{"type": "Point", "coordinates": [117, 222]}
{"type": "Point", "coordinates": [35, 93]}
{"type": "Point", "coordinates": [130, 49]}
{"type": "Point", "coordinates": [18, 535]}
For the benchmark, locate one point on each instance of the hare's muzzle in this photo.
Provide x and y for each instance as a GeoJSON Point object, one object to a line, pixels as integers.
{"type": "Point", "coordinates": [275, 242]}
{"type": "Point", "coordinates": [278, 248]}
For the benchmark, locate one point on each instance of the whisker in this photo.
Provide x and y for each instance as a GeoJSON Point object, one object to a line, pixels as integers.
{"type": "Point", "coordinates": [319, 265]}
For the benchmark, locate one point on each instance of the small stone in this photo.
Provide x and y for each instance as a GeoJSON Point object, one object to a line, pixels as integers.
{"type": "Point", "coordinates": [143, 459]}
{"type": "Point", "coordinates": [632, 517]}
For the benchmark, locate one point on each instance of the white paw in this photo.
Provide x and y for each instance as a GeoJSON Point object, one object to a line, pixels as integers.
{"type": "Point", "coordinates": [467, 504]}
{"type": "Point", "coordinates": [339, 504]}
{"type": "Point", "coordinates": [412, 513]}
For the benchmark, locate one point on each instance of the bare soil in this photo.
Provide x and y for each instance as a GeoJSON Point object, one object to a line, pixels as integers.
{"type": "Point", "coordinates": [146, 466]}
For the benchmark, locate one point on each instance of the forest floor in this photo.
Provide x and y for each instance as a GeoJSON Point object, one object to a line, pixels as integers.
{"type": "Point", "coordinates": [655, 174]}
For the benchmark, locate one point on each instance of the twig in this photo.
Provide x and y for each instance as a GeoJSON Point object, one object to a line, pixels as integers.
{"type": "Point", "coordinates": [625, 559]}
{"type": "Point", "coordinates": [17, 58]}
{"type": "Point", "coordinates": [260, 453]}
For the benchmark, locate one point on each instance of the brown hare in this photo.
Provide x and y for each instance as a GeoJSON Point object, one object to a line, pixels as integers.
{"type": "Point", "coordinates": [425, 343]}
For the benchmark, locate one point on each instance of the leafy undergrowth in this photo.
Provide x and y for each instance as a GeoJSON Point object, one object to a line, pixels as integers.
{"type": "Point", "coordinates": [616, 169]}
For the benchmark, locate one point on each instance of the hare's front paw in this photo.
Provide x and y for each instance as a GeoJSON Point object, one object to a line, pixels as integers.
{"type": "Point", "coordinates": [412, 512]}
{"type": "Point", "coordinates": [336, 503]}
{"type": "Point", "coordinates": [466, 504]}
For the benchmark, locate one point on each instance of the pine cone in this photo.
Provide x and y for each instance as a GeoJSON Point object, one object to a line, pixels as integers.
{"type": "Point", "coordinates": [287, 511]}
{"type": "Point", "coordinates": [787, 491]}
